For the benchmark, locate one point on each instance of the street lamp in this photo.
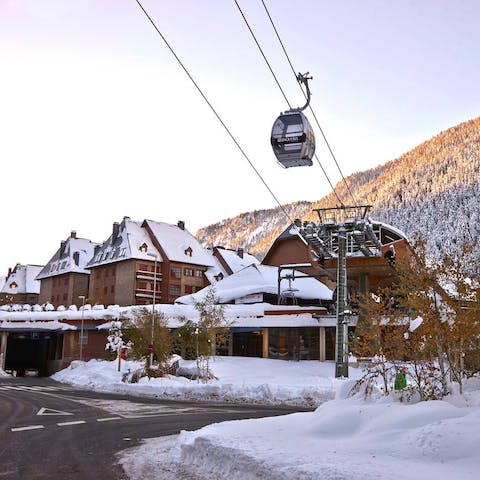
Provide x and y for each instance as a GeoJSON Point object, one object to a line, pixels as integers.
{"type": "Point", "coordinates": [82, 298]}
{"type": "Point", "coordinates": [155, 256]}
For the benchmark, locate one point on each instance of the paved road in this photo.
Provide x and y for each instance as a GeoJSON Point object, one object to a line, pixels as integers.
{"type": "Point", "coordinates": [53, 431]}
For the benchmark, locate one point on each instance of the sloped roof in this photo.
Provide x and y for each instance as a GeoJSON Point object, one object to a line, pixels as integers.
{"type": "Point", "coordinates": [22, 279]}
{"type": "Point", "coordinates": [130, 242]}
{"type": "Point", "coordinates": [179, 244]}
{"type": "Point", "coordinates": [260, 279]}
{"type": "Point", "coordinates": [235, 261]}
{"type": "Point", "coordinates": [64, 260]}
{"type": "Point", "coordinates": [232, 259]}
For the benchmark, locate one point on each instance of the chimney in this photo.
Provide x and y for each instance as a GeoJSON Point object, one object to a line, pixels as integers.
{"type": "Point", "coordinates": [62, 247]}
{"type": "Point", "coordinates": [115, 230]}
{"type": "Point", "coordinates": [9, 271]}
{"type": "Point", "coordinates": [240, 252]}
{"type": "Point", "coordinates": [76, 258]}
{"type": "Point", "coordinates": [181, 225]}
{"type": "Point", "coordinates": [73, 234]}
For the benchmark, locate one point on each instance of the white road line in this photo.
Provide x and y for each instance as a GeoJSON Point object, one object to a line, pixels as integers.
{"type": "Point", "coordinates": [51, 411]}
{"type": "Point", "coordinates": [77, 422]}
{"type": "Point", "coordinates": [108, 419]}
{"type": "Point", "coordinates": [30, 427]}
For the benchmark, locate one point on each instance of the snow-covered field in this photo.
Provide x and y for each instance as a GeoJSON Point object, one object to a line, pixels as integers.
{"type": "Point", "coordinates": [344, 438]}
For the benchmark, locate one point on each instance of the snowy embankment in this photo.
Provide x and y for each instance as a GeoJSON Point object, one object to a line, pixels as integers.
{"type": "Point", "coordinates": [239, 379]}
{"type": "Point", "coordinates": [345, 438]}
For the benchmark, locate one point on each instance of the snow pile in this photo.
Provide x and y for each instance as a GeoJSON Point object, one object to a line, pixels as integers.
{"type": "Point", "coordinates": [3, 373]}
{"type": "Point", "coordinates": [343, 439]}
{"type": "Point", "coordinates": [239, 379]}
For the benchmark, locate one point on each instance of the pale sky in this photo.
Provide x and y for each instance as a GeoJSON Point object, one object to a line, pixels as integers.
{"type": "Point", "coordinates": [98, 121]}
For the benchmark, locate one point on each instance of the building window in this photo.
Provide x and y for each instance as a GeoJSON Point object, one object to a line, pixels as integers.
{"type": "Point", "coordinates": [189, 272]}
{"type": "Point", "coordinates": [199, 273]}
{"type": "Point", "coordinates": [174, 290]}
{"type": "Point", "coordinates": [175, 272]}
{"type": "Point", "coordinates": [189, 251]}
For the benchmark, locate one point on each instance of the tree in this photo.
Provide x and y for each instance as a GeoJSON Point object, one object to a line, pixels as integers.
{"type": "Point", "coordinates": [379, 339]}
{"type": "Point", "coordinates": [139, 331]}
{"type": "Point", "coordinates": [435, 307]}
{"type": "Point", "coordinates": [200, 338]}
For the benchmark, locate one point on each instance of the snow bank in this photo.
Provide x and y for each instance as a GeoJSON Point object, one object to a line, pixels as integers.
{"type": "Point", "coordinates": [239, 379]}
{"type": "Point", "coordinates": [343, 439]}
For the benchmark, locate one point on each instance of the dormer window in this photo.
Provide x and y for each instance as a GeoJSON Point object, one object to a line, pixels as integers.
{"type": "Point", "coordinates": [188, 252]}
{"type": "Point", "coordinates": [13, 285]}
{"type": "Point", "coordinates": [143, 247]}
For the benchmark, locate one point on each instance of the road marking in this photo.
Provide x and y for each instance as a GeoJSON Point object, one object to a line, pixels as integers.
{"type": "Point", "coordinates": [30, 427]}
{"type": "Point", "coordinates": [108, 419]}
{"type": "Point", "coordinates": [77, 422]}
{"type": "Point", "coordinates": [51, 411]}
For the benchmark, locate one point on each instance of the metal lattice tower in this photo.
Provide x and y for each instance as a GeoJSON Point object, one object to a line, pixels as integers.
{"type": "Point", "coordinates": [341, 232]}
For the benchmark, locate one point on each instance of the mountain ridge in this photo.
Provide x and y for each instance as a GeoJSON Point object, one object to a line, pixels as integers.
{"type": "Point", "coordinates": [430, 191]}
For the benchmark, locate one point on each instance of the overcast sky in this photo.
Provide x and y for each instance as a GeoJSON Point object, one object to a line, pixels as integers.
{"type": "Point", "coordinates": [98, 121]}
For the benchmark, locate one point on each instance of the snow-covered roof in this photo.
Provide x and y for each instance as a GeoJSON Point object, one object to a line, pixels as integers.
{"type": "Point", "coordinates": [261, 279]}
{"type": "Point", "coordinates": [179, 244]}
{"type": "Point", "coordinates": [256, 315]}
{"type": "Point", "coordinates": [12, 318]}
{"type": "Point", "coordinates": [72, 257]}
{"type": "Point", "coordinates": [128, 241]}
{"type": "Point", "coordinates": [232, 258]}
{"type": "Point", "coordinates": [235, 261]}
{"type": "Point", "coordinates": [46, 325]}
{"type": "Point", "coordinates": [22, 279]}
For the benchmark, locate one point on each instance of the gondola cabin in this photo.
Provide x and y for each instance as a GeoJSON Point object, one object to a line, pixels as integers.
{"type": "Point", "coordinates": [292, 140]}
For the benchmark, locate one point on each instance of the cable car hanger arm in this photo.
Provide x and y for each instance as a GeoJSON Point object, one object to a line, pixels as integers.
{"type": "Point", "coordinates": [303, 78]}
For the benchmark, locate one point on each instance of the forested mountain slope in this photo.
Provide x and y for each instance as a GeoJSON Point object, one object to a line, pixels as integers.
{"type": "Point", "coordinates": [433, 190]}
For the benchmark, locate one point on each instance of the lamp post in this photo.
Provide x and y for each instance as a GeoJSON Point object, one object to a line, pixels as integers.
{"type": "Point", "coordinates": [155, 256]}
{"type": "Point", "coordinates": [82, 298]}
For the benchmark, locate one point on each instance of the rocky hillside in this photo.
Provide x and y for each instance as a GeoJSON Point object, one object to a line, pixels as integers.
{"type": "Point", "coordinates": [433, 190]}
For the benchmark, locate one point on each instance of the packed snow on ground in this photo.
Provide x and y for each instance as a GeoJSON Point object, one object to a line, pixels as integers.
{"type": "Point", "coordinates": [344, 438]}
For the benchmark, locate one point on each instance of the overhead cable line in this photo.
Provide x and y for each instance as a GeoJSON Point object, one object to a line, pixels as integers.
{"type": "Point", "coordinates": [274, 76]}
{"type": "Point", "coordinates": [311, 109]}
{"type": "Point", "coordinates": [214, 112]}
